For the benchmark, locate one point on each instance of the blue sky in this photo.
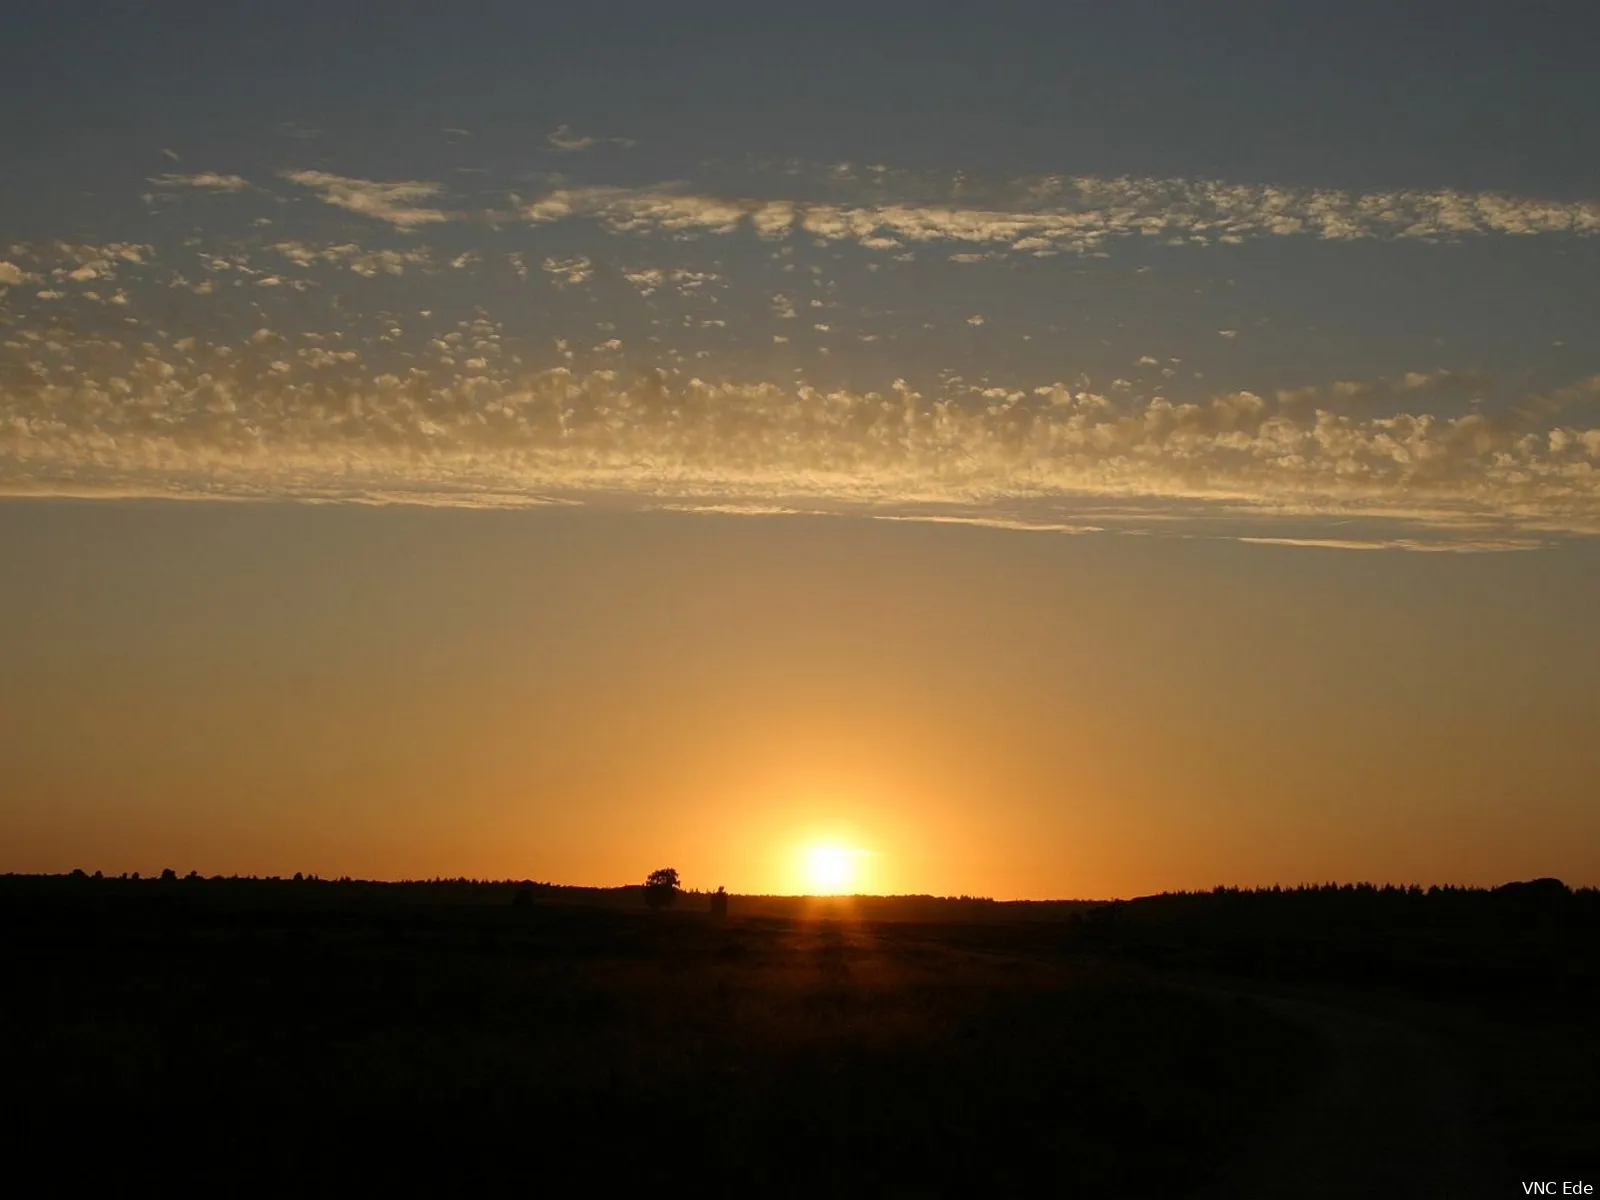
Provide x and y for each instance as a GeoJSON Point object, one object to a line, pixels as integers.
{"type": "Point", "coordinates": [1362, 95]}
{"type": "Point", "coordinates": [1241, 260]}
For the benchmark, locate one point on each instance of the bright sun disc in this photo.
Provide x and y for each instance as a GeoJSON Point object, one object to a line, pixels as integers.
{"type": "Point", "coordinates": [830, 869]}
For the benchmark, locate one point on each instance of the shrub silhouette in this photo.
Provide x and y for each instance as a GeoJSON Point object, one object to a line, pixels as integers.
{"type": "Point", "coordinates": [661, 888]}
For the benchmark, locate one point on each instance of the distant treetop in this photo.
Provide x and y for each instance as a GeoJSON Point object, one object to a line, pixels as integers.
{"type": "Point", "coordinates": [661, 887]}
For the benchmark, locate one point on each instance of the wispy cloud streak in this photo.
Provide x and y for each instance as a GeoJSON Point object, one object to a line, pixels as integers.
{"type": "Point", "coordinates": [393, 202]}
{"type": "Point", "coordinates": [209, 181]}
{"type": "Point", "coordinates": [567, 140]}
{"type": "Point", "coordinates": [1078, 214]}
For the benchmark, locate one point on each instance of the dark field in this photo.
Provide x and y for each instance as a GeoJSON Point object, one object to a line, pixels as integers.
{"type": "Point", "coordinates": [451, 1033]}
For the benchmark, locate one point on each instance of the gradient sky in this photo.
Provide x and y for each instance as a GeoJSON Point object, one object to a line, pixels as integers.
{"type": "Point", "coordinates": [1062, 450]}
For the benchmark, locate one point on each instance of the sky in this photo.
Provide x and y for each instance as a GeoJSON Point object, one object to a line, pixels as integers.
{"type": "Point", "coordinates": [1044, 450]}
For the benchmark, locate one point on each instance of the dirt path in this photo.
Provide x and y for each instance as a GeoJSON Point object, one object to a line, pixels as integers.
{"type": "Point", "coordinates": [1391, 1114]}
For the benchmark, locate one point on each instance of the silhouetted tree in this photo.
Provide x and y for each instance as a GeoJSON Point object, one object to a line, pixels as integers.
{"type": "Point", "coordinates": [168, 875]}
{"type": "Point", "coordinates": [661, 888]}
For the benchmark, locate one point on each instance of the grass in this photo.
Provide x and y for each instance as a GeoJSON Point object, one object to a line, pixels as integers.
{"type": "Point", "coordinates": [499, 1044]}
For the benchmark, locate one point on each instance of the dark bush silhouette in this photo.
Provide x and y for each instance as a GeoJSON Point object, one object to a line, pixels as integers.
{"type": "Point", "coordinates": [719, 902]}
{"type": "Point", "coordinates": [661, 888]}
{"type": "Point", "coordinates": [168, 875]}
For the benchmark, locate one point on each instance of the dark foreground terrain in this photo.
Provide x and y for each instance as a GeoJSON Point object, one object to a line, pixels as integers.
{"type": "Point", "coordinates": [223, 1032]}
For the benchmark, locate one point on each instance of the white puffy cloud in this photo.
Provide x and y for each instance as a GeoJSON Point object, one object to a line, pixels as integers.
{"type": "Point", "coordinates": [63, 262]}
{"type": "Point", "coordinates": [354, 258]}
{"type": "Point", "coordinates": [314, 416]}
{"type": "Point", "coordinates": [565, 272]}
{"type": "Point", "coordinates": [681, 280]}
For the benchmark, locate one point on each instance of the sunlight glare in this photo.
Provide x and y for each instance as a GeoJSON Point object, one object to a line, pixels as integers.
{"type": "Point", "coordinates": [830, 870]}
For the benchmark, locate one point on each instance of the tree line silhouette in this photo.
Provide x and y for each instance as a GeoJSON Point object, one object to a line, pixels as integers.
{"type": "Point", "coordinates": [1331, 906]}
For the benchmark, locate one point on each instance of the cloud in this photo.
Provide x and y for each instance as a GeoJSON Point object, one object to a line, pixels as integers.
{"type": "Point", "coordinates": [1441, 546]}
{"type": "Point", "coordinates": [1083, 215]}
{"type": "Point", "coordinates": [1010, 523]}
{"type": "Point", "coordinates": [206, 180]}
{"type": "Point", "coordinates": [365, 389]}
{"type": "Point", "coordinates": [565, 272]}
{"type": "Point", "coordinates": [744, 510]}
{"type": "Point", "coordinates": [1441, 380]}
{"type": "Point", "coordinates": [564, 139]}
{"type": "Point", "coordinates": [348, 255]}
{"type": "Point", "coordinates": [661, 209]}
{"type": "Point", "coordinates": [318, 415]}
{"type": "Point", "coordinates": [680, 280]}
{"type": "Point", "coordinates": [72, 263]}
{"type": "Point", "coordinates": [391, 202]}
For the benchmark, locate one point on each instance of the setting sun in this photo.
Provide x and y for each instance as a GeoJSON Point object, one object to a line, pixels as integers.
{"type": "Point", "coordinates": [831, 870]}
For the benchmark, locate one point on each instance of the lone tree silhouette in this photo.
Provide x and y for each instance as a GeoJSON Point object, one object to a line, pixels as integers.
{"type": "Point", "coordinates": [661, 888]}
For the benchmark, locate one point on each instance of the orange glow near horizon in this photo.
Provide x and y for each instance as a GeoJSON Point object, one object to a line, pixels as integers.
{"type": "Point", "coordinates": [808, 706]}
